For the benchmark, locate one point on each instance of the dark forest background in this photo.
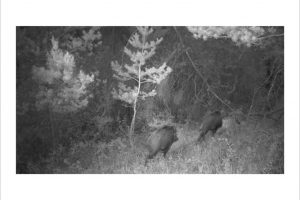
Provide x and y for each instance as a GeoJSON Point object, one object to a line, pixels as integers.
{"type": "Point", "coordinates": [69, 121]}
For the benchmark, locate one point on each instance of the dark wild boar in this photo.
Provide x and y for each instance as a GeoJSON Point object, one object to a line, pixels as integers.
{"type": "Point", "coordinates": [161, 140]}
{"type": "Point", "coordinates": [212, 122]}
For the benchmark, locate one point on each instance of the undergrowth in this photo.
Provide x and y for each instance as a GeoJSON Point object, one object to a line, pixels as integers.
{"type": "Point", "coordinates": [249, 148]}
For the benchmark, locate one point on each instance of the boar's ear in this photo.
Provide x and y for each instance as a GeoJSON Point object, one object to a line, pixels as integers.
{"type": "Point", "coordinates": [175, 137]}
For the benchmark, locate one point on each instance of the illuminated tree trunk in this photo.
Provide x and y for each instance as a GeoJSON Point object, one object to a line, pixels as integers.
{"type": "Point", "coordinates": [143, 50]}
{"type": "Point", "coordinates": [131, 132]}
{"type": "Point", "coordinates": [52, 127]}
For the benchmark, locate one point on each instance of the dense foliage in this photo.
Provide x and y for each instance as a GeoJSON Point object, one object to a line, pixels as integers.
{"type": "Point", "coordinates": [81, 91]}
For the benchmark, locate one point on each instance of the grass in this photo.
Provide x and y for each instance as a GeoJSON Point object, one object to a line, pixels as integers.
{"type": "Point", "coordinates": [249, 148]}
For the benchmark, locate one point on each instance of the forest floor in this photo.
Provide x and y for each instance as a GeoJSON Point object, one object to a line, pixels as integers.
{"type": "Point", "coordinates": [248, 148]}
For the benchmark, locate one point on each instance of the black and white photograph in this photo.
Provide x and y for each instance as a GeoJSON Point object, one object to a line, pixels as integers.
{"type": "Point", "coordinates": [139, 99]}
{"type": "Point", "coordinates": [150, 99]}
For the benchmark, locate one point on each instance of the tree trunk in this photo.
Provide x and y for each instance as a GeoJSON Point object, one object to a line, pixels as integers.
{"type": "Point", "coordinates": [131, 132]}
{"type": "Point", "coordinates": [52, 127]}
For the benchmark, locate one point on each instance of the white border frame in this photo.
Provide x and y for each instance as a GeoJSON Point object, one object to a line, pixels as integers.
{"type": "Point", "coordinates": [154, 12]}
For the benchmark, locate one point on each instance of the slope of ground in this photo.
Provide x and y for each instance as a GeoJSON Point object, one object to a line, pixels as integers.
{"type": "Point", "coordinates": [247, 148]}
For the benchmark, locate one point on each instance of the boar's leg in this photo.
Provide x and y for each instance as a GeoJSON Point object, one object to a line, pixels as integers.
{"type": "Point", "coordinates": [201, 137]}
{"type": "Point", "coordinates": [150, 156]}
{"type": "Point", "coordinates": [165, 151]}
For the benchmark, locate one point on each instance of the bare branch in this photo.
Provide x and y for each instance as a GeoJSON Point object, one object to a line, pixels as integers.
{"type": "Point", "coordinates": [269, 36]}
{"type": "Point", "coordinates": [273, 82]}
{"type": "Point", "coordinates": [252, 102]}
{"type": "Point", "coordinates": [200, 74]}
{"type": "Point", "coordinates": [147, 81]}
{"type": "Point", "coordinates": [234, 86]}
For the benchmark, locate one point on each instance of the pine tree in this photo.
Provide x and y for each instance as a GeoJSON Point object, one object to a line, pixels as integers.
{"type": "Point", "coordinates": [61, 88]}
{"type": "Point", "coordinates": [138, 72]}
{"type": "Point", "coordinates": [248, 35]}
